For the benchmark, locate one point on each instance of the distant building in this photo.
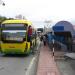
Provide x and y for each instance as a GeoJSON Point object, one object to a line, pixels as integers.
{"type": "Point", "coordinates": [40, 29]}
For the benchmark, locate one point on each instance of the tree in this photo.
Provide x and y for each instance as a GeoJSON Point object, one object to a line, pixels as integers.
{"type": "Point", "coordinates": [2, 18]}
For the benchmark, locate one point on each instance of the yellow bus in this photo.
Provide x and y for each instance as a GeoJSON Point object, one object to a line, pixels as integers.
{"type": "Point", "coordinates": [14, 37]}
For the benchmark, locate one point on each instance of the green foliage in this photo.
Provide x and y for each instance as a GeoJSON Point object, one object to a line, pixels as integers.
{"type": "Point", "coordinates": [2, 18]}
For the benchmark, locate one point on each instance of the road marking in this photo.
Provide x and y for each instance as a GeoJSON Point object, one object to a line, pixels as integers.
{"type": "Point", "coordinates": [30, 66]}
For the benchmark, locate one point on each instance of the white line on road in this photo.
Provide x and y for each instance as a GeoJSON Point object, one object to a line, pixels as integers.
{"type": "Point", "coordinates": [30, 66]}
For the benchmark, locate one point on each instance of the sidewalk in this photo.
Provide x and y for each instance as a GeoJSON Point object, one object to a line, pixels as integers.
{"type": "Point", "coordinates": [46, 64]}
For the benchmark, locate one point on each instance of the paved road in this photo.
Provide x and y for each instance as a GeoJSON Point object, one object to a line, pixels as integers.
{"type": "Point", "coordinates": [19, 65]}
{"type": "Point", "coordinates": [13, 65]}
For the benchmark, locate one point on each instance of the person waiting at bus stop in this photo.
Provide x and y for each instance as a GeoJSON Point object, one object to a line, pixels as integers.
{"type": "Point", "coordinates": [44, 40]}
{"type": "Point", "coordinates": [41, 38]}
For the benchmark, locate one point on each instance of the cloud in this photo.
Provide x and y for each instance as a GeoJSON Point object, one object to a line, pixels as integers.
{"type": "Point", "coordinates": [40, 10]}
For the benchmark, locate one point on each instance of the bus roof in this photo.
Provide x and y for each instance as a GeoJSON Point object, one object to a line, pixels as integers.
{"type": "Point", "coordinates": [17, 21]}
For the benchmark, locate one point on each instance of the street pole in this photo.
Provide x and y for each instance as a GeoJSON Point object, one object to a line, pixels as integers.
{"type": "Point", "coordinates": [53, 50]}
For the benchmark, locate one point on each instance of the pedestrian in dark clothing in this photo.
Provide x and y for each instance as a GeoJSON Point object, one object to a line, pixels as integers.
{"type": "Point", "coordinates": [41, 38]}
{"type": "Point", "coordinates": [44, 40]}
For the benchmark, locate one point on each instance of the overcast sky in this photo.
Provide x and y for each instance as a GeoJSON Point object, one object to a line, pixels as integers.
{"type": "Point", "coordinates": [40, 10]}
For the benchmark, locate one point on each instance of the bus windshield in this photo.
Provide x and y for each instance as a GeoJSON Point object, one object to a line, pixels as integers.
{"type": "Point", "coordinates": [13, 33]}
{"type": "Point", "coordinates": [14, 26]}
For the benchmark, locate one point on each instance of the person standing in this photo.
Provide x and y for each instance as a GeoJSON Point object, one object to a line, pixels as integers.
{"type": "Point", "coordinates": [41, 38]}
{"type": "Point", "coordinates": [44, 40]}
{"type": "Point", "coordinates": [30, 35]}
